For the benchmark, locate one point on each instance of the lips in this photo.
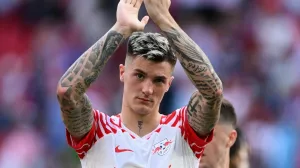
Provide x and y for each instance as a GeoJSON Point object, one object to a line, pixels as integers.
{"type": "Point", "coordinates": [144, 99]}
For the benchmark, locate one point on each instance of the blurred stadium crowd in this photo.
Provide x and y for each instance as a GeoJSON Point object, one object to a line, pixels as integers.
{"type": "Point", "coordinates": [254, 46]}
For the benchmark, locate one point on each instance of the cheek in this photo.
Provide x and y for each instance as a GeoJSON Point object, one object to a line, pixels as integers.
{"type": "Point", "coordinates": [222, 144]}
{"type": "Point", "coordinates": [131, 84]}
{"type": "Point", "coordinates": [159, 91]}
{"type": "Point", "coordinates": [211, 147]}
{"type": "Point", "coordinates": [217, 144]}
{"type": "Point", "coordinates": [220, 140]}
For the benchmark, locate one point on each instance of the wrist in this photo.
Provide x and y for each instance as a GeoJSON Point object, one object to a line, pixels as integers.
{"type": "Point", "coordinates": [125, 31]}
{"type": "Point", "coordinates": [165, 21]}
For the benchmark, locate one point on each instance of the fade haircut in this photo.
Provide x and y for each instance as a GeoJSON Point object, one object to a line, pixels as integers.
{"type": "Point", "coordinates": [227, 113]}
{"type": "Point", "coordinates": [151, 46]}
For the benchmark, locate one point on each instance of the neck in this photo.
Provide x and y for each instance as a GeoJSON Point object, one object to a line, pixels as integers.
{"type": "Point", "coordinates": [140, 124]}
{"type": "Point", "coordinates": [223, 162]}
{"type": "Point", "coordinates": [226, 161]}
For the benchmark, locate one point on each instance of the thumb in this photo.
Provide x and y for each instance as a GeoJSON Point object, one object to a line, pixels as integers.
{"type": "Point", "coordinates": [145, 20]}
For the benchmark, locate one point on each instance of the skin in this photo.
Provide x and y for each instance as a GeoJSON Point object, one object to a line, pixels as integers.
{"type": "Point", "coordinates": [145, 83]}
{"type": "Point", "coordinates": [141, 115]}
{"type": "Point", "coordinates": [216, 153]}
{"type": "Point", "coordinates": [76, 108]}
{"type": "Point", "coordinates": [204, 106]}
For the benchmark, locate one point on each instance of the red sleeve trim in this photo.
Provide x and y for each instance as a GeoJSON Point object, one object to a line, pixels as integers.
{"type": "Point", "coordinates": [81, 147]}
{"type": "Point", "coordinates": [196, 143]}
{"type": "Point", "coordinates": [102, 125]}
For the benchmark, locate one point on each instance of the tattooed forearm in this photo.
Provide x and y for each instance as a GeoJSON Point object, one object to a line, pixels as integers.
{"type": "Point", "coordinates": [76, 115]}
{"type": "Point", "coordinates": [204, 106]}
{"type": "Point", "coordinates": [88, 67]}
{"type": "Point", "coordinates": [75, 106]}
{"type": "Point", "coordinates": [201, 118]}
{"type": "Point", "coordinates": [195, 63]}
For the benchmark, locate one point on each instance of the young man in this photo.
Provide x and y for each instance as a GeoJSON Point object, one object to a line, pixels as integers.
{"type": "Point", "coordinates": [217, 153]}
{"type": "Point", "coordinates": [139, 136]}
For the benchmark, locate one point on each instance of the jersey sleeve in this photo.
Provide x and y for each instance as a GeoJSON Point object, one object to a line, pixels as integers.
{"type": "Point", "coordinates": [99, 129]}
{"type": "Point", "coordinates": [179, 119]}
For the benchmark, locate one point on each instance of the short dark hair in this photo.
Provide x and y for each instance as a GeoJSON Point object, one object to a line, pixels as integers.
{"type": "Point", "coordinates": [227, 113]}
{"type": "Point", "coordinates": [151, 46]}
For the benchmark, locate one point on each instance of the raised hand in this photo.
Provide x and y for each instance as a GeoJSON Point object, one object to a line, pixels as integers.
{"type": "Point", "coordinates": [158, 10]}
{"type": "Point", "coordinates": [127, 16]}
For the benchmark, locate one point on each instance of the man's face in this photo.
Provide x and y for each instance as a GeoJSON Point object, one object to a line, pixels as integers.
{"type": "Point", "coordinates": [145, 83]}
{"type": "Point", "coordinates": [216, 151]}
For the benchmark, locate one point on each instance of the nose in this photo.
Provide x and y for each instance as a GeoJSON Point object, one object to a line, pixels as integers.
{"type": "Point", "coordinates": [148, 88]}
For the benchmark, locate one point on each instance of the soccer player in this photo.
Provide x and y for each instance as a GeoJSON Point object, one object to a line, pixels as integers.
{"type": "Point", "coordinates": [217, 153]}
{"type": "Point", "coordinates": [140, 136]}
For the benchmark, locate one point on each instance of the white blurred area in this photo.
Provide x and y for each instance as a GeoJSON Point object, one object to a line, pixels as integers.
{"type": "Point", "coordinates": [253, 45]}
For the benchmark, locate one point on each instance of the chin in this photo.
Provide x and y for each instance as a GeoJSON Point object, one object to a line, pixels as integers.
{"type": "Point", "coordinates": [144, 110]}
{"type": "Point", "coordinates": [204, 165]}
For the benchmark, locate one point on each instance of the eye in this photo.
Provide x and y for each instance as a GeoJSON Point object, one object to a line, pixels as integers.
{"type": "Point", "coordinates": [140, 76]}
{"type": "Point", "coordinates": [159, 81]}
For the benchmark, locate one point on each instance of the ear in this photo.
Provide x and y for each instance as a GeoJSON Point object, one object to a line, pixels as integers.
{"type": "Point", "coordinates": [122, 70]}
{"type": "Point", "coordinates": [232, 138]}
{"type": "Point", "coordinates": [170, 82]}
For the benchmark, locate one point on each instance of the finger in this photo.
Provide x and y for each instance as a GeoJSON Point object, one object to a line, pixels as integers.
{"type": "Point", "coordinates": [138, 3]}
{"type": "Point", "coordinates": [130, 1]}
{"type": "Point", "coordinates": [168, 3]}
{"type": "Point", "coordinates": [145, 20]}
{"type": "Point", "coordinates": [133, 2]}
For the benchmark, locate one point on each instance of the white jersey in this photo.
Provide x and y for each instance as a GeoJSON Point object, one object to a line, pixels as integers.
{"type": "Point", "coordinates": [109, 144]}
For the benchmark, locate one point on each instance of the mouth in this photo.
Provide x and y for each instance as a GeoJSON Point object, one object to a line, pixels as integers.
{"type": "Point", "coordinates": [144, 99]}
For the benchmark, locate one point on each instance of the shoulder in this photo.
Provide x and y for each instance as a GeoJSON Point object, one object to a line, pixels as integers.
{"type": "Point", "coordinates": [175, 118]}
{"type": "Point", "coordinates": [106, 121]}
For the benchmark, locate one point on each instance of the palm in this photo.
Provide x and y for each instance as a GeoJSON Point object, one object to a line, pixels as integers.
{"type": "Point", "coordinates": [157, 9]}
{"type": "Point", "coordinates": [127, 15]}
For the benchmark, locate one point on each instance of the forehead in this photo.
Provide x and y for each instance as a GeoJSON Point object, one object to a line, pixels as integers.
{"type": "Point", "coordinates": [150, 67]}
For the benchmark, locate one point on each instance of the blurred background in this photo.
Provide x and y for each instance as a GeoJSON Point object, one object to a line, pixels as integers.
{"type": "Point", "coordinates": [254, 46]}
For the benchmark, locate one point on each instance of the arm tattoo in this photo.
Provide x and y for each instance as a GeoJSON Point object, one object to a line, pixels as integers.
{"type": "Point", "coordinates": [75, 106]}
{"type": "Point", "coordinates": [204, 105]}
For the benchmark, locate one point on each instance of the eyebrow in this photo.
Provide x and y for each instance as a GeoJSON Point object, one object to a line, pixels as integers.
{"type": "Point", "coordinates": [140, 71]}
{"type": "Point", "coordinates": [156, 77]}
